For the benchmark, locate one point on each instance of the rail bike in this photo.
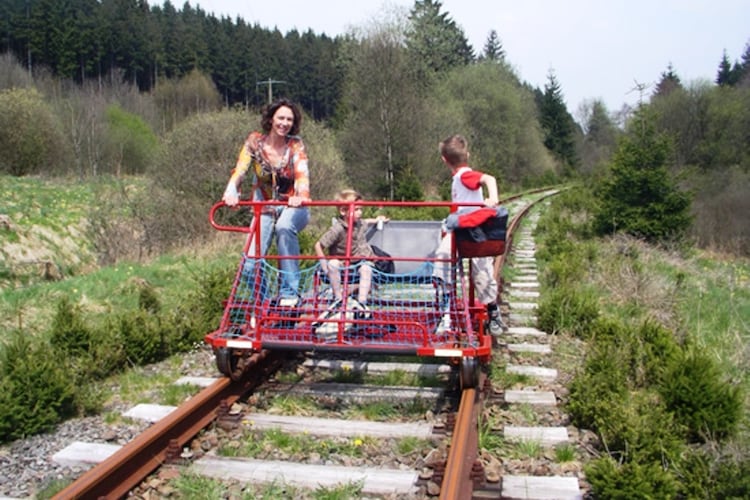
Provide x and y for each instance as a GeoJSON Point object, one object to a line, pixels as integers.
{"type": "Point", "coordinates": [410, 311]}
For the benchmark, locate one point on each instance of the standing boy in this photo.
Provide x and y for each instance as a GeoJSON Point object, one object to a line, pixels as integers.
{"type": "Point", "coordinates": [466, 187]}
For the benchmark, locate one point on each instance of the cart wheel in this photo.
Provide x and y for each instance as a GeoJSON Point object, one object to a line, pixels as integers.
{"type": "Point", "coordinates": [226, 362]}
{"type": "Point", "coordinates": [469, 374]}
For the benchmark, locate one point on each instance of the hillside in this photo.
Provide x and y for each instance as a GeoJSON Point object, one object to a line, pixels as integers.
{"type": "Point", "coordinates": [43, 230]}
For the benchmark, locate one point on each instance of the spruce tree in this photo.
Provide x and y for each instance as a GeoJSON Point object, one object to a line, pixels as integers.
{"type": "Point", "coordinates": [638, 197]}
{"type": "Point", "coordinates": [668, 83]}
{"type": "Point", "coordinates": [434, 41]}
{"type": "Point", "coordinates": [557, 124]}
{"type": "Point", "coordinates": [493, 48]}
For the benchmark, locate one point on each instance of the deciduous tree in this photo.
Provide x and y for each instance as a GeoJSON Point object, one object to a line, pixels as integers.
{"type": "Point", "coordinates": [383, 109]}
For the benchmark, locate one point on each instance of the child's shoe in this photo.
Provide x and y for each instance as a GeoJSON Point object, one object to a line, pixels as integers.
{"type": "Point", "coordinates": [495, 323]}
{"type": "Point", "coordinates": [361, 311]}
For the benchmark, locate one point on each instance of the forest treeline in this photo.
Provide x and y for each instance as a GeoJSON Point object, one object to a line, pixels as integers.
{"type": "Point", "coordinates": [95, 89]}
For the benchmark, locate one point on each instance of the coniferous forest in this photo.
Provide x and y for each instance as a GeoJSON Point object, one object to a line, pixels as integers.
{"type": "Point", "coordinates": [128, 87]}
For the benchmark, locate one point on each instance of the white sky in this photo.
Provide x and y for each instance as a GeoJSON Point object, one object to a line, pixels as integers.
{"type": "Point", "coordinates": [596, 48]}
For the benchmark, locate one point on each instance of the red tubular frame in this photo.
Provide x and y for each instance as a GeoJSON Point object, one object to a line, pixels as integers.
{"type": "Point", "coordinates": [472, 314]}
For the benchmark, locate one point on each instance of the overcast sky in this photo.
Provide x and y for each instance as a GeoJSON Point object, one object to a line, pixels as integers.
{"type": "Point", "coordinates": [596, 48]}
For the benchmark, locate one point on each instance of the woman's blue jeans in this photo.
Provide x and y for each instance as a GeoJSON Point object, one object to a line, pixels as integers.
{"type": "Point", "coordinates": [287, 224]}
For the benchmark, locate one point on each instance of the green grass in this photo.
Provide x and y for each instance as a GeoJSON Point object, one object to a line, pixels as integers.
{"type": "Point", "coordinates": [54, 203]}
{"type": "Point", "coordinates": [490, 437]}
{"type": "Point", "coordinates": [107, 290]}
{"type": "Point", "coordinates": [715, 308]}
{"type": "Point", "coordinates": [266, 445]}
{"type": "Point", "coordinates": [565, 452]}
{"type": "Point", "coordinates": [527, 448]}
{"type": "Point", "coordinates": [191, 486]}
{"type": "Point", "coordinates": [293, 405]}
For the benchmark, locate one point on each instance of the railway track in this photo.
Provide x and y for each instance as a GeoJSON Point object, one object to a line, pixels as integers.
{"type": "Point", "coordinates": [447, 462]}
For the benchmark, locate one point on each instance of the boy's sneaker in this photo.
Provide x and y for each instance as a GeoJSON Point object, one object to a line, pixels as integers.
{"type": "Point", "coordinates": [495, 323]}
{"type": "Point", "coordinates": [292, 301]}
{"type": "Point", "coordinates": [361, 311]}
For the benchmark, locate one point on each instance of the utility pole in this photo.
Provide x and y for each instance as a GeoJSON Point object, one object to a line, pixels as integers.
{"type": "Point", "coordinates": [270, 83]}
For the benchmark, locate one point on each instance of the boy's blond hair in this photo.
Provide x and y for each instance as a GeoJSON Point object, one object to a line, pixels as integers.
{"type": "Point", "coordinates": [348, 195]}
{"type": "Point", "coordinates": [455, 149]}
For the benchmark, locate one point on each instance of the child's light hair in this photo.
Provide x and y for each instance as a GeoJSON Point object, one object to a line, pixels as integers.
{"type": "Point", "coordinates": [348, 195]}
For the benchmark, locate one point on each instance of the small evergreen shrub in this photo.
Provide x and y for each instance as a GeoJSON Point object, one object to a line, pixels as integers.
{"type": "Point", "coordinates": [693, 390]}
{"type": "Point", "coordinates": [628, 481]}
{"type": "Point", "coordinates": [142, 338]}
{"type": "Point", "coordinates": [566, 308]}
{"type": "Point", "coordinates": [204, 305]}
{"type": "Point", "coordinates": [596, 391]}
{"type": "Point", "coordinates": [69, 332]}
{"type": "Point", "coordinates": [656, 349]}
{"type": "Point", "coordinates": [731, 479]}
{"type": "Point", "coordinates": [105, 357]}
{"type": "Point", "coordinates": [36, 390]}
{"type": "Point", "coordinates": [148, 301]}
{"type": "Point", "coordinates": [641, 430]}
{"type": "Point", "coordinates": [563, 270]}
{"type": "Point", "coordinates": [704, 473]}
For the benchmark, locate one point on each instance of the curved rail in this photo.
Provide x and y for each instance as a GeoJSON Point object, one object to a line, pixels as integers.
{"type": "Point", "coordinates": [124, 470]}
{"type": "Point", "coordinates": [162, 442]}
{"type": "Point", "coordinates": [463, 472]}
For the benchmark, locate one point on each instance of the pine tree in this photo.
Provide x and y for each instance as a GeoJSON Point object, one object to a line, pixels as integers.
{"type": "Point", "coordinates": [557, 124]}
{"type": "Point", "coordinates": [744, 76]}
{"type": "Point", "coordinates": [639, 197]}
{"type": "Point", "coordinates": [493, 48]}
{"type": "Point", "coordinates": [668, 83]}
{"type": "Point", "coordinates": [729, 75]}
{"type": "Point", "coordinates": [434, 41]}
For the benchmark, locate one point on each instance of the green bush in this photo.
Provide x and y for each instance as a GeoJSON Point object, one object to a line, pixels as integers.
{"type": "Point", "coordinates": [641, 430]}
{"type": "Point", "coordinates": [554, 238]}
{"type": "Point", "coordinates": [142, 338]}
{"type": "Point", "coordinates": [31, 139]}
{"type": "Point", "coordinates": [564, 269]}
{"type": "Point", "coordinates": [69, 332]}
{"type": "Point", "coordinates": [595, 391]}
{"type": "Point", "coordinates": [132, 145]}
{"type": "Point", "coordinates": [644, 350]}
{"type": "Point", "coordinates": [693, 390]}
{"type": "Point", "coordinates": [655, 349]}
{"type": "Point", "coordinates": [629, 481]}
{"type": "Point", "coordinates": [205, 304]}
{"type": "Point", "coordinates": [106, 356]}
{"type": "Point", "coordinates": [568, 309]}
{"type": "Point", "coordinates": [705, 473]}
{"type": "Point", "coordinates": [36, 389]}
{"type": "Point", "coordinates": [731, 479]}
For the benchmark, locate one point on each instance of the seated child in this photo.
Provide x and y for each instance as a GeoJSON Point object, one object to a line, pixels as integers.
{"type": "Point", "coordinates": [334, 241]}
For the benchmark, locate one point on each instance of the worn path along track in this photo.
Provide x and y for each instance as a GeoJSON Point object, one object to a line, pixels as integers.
{"type": "Point", "coordinates": [459, 476]}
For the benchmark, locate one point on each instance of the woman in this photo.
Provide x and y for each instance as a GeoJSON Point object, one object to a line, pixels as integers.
{"type": "Point", "coordinates": [277, 160]}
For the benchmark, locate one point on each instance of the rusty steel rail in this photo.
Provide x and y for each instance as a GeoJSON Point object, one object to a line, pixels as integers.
{"type": "Point", "coordinates": [125, 469]}
{"type": "Point", "coordinates": [463, 471]}
{"type": "Point", "coordinates": [461, 468]}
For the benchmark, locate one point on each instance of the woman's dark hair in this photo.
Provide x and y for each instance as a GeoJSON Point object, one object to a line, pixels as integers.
{"type": "Point", "coordinates": [270, 110]}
